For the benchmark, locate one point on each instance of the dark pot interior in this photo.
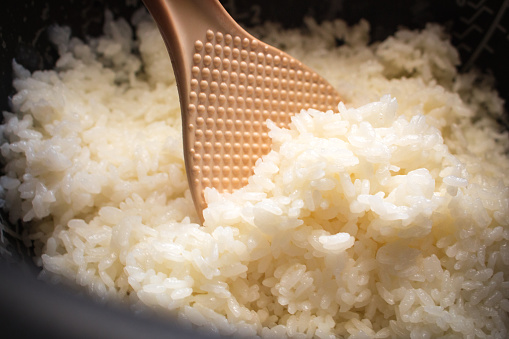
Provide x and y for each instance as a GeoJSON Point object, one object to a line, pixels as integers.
{"type": "Point", "coordinates": [31, 308]}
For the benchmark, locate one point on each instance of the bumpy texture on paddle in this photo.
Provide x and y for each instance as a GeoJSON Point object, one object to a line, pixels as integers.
{"type": "Point", "coordinates": [237, 84]}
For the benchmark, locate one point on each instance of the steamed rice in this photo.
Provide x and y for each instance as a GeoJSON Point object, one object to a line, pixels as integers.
{"type": "Point", "coordinates": [389, 219]}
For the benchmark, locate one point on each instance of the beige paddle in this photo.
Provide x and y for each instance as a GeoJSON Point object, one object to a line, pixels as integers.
{"type": "Point", "coordinates": [229, 84]}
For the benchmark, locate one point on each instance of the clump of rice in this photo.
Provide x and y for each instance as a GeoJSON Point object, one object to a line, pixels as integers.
{"type": "Point", "coordinates": [389, 219]}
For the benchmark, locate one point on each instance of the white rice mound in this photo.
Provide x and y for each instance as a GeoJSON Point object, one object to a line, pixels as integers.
{"type": "Point", "coordinates": [387, 220]}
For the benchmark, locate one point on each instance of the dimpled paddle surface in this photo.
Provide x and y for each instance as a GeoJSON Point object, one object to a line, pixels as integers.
{"type": "Point", "coordinates": [236, 85]}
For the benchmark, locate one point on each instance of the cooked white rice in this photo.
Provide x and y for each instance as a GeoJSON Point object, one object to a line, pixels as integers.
{"type": "Point", "coordinates": [389, 219]}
